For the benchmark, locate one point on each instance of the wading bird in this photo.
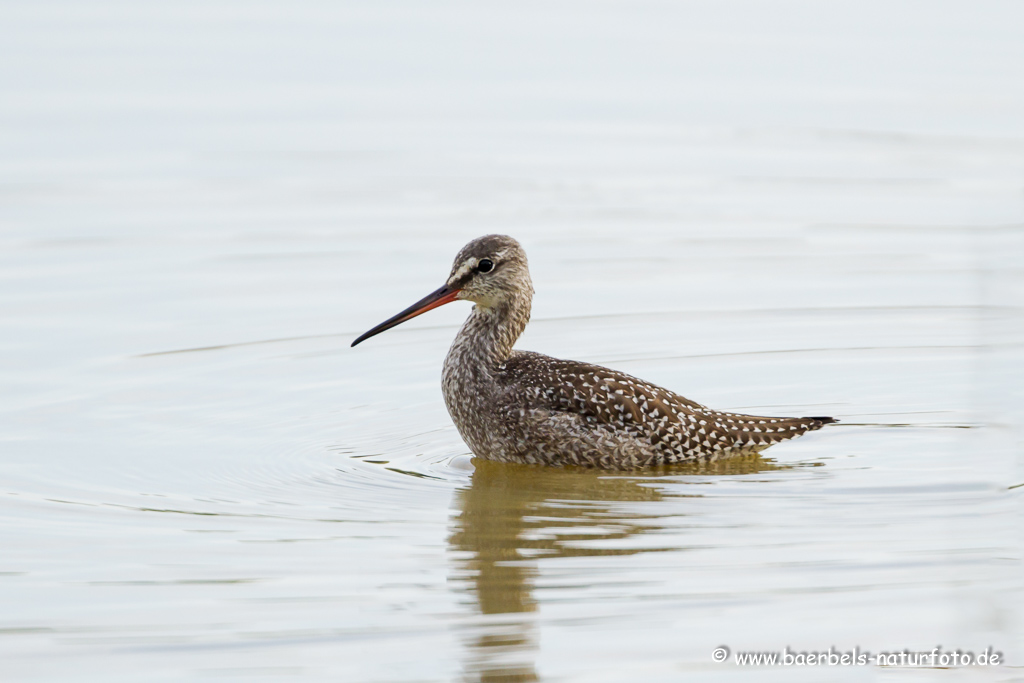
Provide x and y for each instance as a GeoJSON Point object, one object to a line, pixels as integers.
{"type": "Point", "coordinates": [520, 406]}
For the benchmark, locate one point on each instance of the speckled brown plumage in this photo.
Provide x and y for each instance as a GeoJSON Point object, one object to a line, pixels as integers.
{"type": "Point", "coordinates": [519, 406]}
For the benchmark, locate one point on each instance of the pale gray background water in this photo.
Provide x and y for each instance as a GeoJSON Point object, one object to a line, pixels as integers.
{"type": "Point", "coordinates": [787, 207]}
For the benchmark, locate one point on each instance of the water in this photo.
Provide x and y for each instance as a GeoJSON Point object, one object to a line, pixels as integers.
{"type": "Point", "coordinates": [816, 211]}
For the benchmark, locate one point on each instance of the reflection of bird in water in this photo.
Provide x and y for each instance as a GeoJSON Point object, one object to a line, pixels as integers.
{"type": "Point", "coordinates": [513, 518]}
{"type": "Point", "coordinates": [519, 406]}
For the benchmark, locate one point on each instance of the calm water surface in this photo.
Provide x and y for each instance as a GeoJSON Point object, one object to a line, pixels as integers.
{"type": "Point", "coordinates": [201, 207]}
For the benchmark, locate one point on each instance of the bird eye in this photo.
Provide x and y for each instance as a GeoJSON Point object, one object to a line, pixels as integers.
{"type": "Point", "coordinates": [485, 265]}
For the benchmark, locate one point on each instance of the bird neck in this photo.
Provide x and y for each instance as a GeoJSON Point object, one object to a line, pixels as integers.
{"type": "Point", "coordinates": [487, 337]}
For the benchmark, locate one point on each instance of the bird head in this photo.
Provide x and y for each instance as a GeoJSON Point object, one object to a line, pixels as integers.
{"type": "Point", "coordinates": [490, 271]}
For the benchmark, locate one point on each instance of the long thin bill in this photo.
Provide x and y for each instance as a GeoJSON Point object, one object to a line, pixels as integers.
{"type": "Point", "coordinates": [437, 298]}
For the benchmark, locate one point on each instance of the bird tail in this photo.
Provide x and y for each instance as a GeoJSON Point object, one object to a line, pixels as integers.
{"type": "Point", "coordinates": [750, 431]}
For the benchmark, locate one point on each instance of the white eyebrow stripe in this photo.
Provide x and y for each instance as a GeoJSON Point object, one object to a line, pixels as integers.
{"type": "Point", "coordinates": [472, 264]}
{"type": "Point", "coordinates": [461, 272]}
